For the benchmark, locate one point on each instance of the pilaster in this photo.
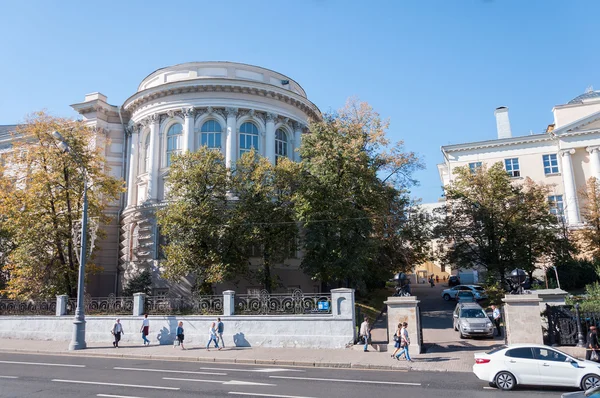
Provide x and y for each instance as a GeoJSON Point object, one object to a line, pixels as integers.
{"type": "Point", "coordinates": [231, 137]}
{"type": "Point", "coordinates": [133, 167]}
{"type": "Point", "coordinates": [594, 152]}
{"type": "Point", "coordinates": [270, 137]}
{"type": "Point", "coordinates": [154, 166]}
{"type": "Point", "coordinates": [188, 129]}
{"type": "Point", "coordinates": [571, 205]}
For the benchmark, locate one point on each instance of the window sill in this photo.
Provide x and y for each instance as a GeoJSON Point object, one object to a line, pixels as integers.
{"type": "Point", "coordinates": [516, 178]}
{"type": "Point", "coordinates": [553, 175]}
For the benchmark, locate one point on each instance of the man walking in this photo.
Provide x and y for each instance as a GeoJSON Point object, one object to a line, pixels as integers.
{"type": "Point", "coordinates": [117, 330]}
{"type": "Point", "coordinates": [145, 329]}
{"type": "Point", "coordinates": [497, 317]}
{"type": "Point", "coordinates": [220, 329]}
{"type": "Point", "coordinates": [365, 332]}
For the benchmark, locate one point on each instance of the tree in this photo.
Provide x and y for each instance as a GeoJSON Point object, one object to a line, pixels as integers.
{"type": "Point", "coordinates": [141, 283]}
{"type": "Point", "coordinates": [201, 239]}
{"type": "Point", "coordinates": [264, 211]}
{"type": "Point", "coordinates": [492, 223]}
{"type": "Point", "coordinates": [350, 181]}
{"type": "Point", "coordinates": [41, 199]}
{"type": "Point", "coordinates": [590, 212]}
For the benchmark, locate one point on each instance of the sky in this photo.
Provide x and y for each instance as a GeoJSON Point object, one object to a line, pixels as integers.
{"type": "Point", "coordinates": [436, 68]}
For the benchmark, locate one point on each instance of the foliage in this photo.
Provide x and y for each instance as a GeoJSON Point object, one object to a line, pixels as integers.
{"type": "Point", "coordinates": [591, 303]}
{"type": "Point", "coordinates": [590, 212]}
{"type": "Point", "coordinates": [41, 199]}
{"type": "Point", "coordinates": [495, 294]}
{"type": "Point", "coordinates": [354, 221]}
{"type": "Point", "coordinates": [574, 274]}
{"type": "Point", "coordinates": [492, 223]}
{"type": "Point", "coordinates": [141, 283]}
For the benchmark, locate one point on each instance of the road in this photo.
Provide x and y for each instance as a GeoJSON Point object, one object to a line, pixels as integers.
{"type": "Point", "coordinates": [49, 376]}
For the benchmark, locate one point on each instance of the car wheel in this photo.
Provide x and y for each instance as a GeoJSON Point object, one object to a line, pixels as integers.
{"type": "Point", "coordinates": [590, 381]}
{"type": "Point", "coordinates": [447, 297]}
{"type": "Point", "coordinates": [462, 336]}
{"type": "Point", "coordinates": [505, 381]}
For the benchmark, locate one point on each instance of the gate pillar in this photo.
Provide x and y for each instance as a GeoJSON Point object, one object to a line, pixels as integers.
{"type": "Point", "coordinates": [522, 319]}
{"type": "Point", "coordinates": [404, 309]}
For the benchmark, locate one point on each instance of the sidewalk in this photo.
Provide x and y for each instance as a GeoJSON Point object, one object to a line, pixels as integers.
{"type": "Point", "coordinates": [343, 358]}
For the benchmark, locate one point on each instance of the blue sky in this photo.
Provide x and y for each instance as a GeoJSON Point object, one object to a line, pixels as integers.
{"type": "Point", "coordinates": [437, 69]}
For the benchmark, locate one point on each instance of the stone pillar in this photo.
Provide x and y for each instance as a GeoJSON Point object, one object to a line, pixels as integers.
{"type": "Point", "coordinates": [594, 152]}
{"type": "Point", "coordinates": [231, 137]}
{"type": "Point", "coordinates": [154, 158]}
{"type": "Point", "coordinates": [270, 138]}
{"type": "Point", "coordinates": [522, 319]}
{"type": "Point", "coordinates": [188, 130]}
{"type": "Point", "coordinates": [297, 140]}
{"type": "Point", "coordinates": [571, 206]}
{"type": "Point", "coordinates": [342, 307]}
{"type": "Point", "coordinates": [134, 150]}
{"type": "Point", "coordinates": [404, 309]}
{"type": "Point", "coordinates": [139, 300]}
{"type": "Point", "coordinates": [228, 303]}
{"type": "Point", "coordinates": [61, 304]}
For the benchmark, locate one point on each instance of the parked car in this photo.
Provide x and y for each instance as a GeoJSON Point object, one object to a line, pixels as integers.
{"type": "Point", "coordinates": [453, 281]}
{"type": "Point", "coordinates": [534, 364]}
{"type": "Point", "coordinates": [592, 392]}
{"type": "Point", "coordinates": [471, 320]}
{"type": "Point", "coordinates": [478, 292]}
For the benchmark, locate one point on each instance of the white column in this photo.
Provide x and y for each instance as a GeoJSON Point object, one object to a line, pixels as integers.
{"type": "Point", "coordinates": [154, 158]}
{"type": "Point", "coordinates": [594, 152]}
{"type": "Point", "coordinates": [188, 130]}
{"type": "Point", "coordinates": [231, 137]}
{"type": "Point", "coordinates": [571, 206]}
{"type": "Point", "coordinates": [297, 140]}
{"type": "Point", "coordinates": [270, 137]}
{"type": "Point", "coordinates": [133, 166]}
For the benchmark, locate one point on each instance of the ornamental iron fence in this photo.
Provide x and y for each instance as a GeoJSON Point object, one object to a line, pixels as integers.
{"type": "Point", "coordinates": [199, 305]}
{"type": "Point", "coordinates": [297, 303]}
{"type": "Point", "coordinates": [567, 325]}
{"type": "Point", "coordinates": [111, 305]}
{"type": "Point", "coordinates": [28, 307]}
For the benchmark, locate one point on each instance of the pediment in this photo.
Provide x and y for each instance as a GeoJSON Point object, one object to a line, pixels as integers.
{"type": "Point", "coordinates": [587, 124]}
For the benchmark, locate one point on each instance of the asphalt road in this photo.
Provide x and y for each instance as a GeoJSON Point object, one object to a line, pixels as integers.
{"type": "Point", "coordinates": [65, 376]}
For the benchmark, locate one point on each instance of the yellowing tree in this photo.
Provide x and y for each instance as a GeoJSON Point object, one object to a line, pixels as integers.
{"type": "Point", "coordinates": [41, 203]}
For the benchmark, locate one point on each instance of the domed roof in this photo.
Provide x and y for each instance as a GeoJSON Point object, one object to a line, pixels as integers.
{"type": "Point", "coordinates": [587, 95]}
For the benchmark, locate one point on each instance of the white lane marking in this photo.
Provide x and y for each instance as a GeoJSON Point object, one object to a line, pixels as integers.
{"type": "Point", "coordinates": [272, 370]}
{"type": "Point", "coordinates": [115, 396]}
{"type": "Point", "coordinates": [44, 364]}
{"type": "Point", "coordinates": [230, 382]}
{"type": "Point", "coordinates": [396, 383]}
{"type": "Point", "coordinates": [99, 383]}
{"type": "Point", "coordinates": [8, 377]}
{"type": "Point", "coordinates": [172, 371]}
{"type": "Point", "coordinates": [263, 370]}
{"type": "Point", "coordinates": [489, 388]}
{"type": "Point", "coordinates": [266, 395]}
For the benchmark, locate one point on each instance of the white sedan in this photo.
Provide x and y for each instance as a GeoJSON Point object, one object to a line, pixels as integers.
{"type": "Point", "coordinates": [534, 364]}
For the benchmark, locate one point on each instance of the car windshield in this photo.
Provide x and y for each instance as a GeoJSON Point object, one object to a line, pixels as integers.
{"type": "Point", "coordinates": [478, 288]}
{"type": "Point", "coordinates": [472, 313]}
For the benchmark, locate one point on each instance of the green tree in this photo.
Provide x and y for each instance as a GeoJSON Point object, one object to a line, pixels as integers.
{"type": "Point", "coordinates": [590, 212]}
{"type": "Point", "coordinates": [41, 199]}
{"type": "Point", "coordinates": [141, 283]}
{"type": "Point", "coordinates": [197, 222]}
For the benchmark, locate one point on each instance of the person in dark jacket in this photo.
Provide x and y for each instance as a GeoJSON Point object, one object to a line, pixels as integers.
{"type": "Point", "coordinates": [592, 343]}
{"type": "Point", "coordinates": [180, 334]}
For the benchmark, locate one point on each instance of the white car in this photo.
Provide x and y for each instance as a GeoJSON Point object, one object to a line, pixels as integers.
{"type": "Point", "coordinates": [451, 293]}
{"type": "Point", "coordinates": [534, 364]}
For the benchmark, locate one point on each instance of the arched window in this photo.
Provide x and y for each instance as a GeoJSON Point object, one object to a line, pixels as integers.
{"type": "Point", "coordinates": [281, 145]}
{"type": "Point", "coordinates": [248, 137]}
{"type": "Point", "coordinates": [211, 134]}
{"type": "Point", "coordinates": [147, 154]}
{"type": "Point", "coordinates": [173, 141]}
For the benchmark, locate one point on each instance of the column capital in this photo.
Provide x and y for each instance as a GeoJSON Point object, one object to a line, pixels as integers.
{"type": "Point", "coordinates": [188, 112]}
{"type": "Point", "coordinates": [271, 117]}
{"type": "Point", "coordinates": [298, 126]}
{"type": "Point", "coordinates": [231, 112]}
{"type": "Point", "coordinates": [592, 149]}
{"type": "Point", "coordinates": [566, 152]}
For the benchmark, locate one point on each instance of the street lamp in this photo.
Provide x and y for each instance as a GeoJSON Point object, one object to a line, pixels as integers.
{"type": "Point", "coordinates": [78, 340]}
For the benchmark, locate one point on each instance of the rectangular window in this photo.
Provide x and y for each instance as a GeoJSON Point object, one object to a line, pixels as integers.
{"type": "Point", "coordinates": [557, 207]}
{"type": "Point", "coordinates": [512, 167]}
{"type": "Point", "coordinates": [474, 166]}
{"type": "Point", "coordinates": [550, 164]}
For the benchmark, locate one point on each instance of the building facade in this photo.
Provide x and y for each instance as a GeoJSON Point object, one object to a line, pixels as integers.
{"type": "Point", "coordinates": [564, 157]}
{"type": "Point", "coordinates": [228, 106]}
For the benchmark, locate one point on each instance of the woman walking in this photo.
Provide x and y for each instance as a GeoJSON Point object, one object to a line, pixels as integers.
{"type": "Point", "coordinates": [180, 334]}
{"type": "Point", "coordinates": [145, 329]}
{"type": "Point", "coordinates": [212, 334]}
{"type": "Point", "coordinates": [397, 339]}
{"type": "Point", "coordinates": [117, 330]}
{"type": "Point", "coordinates": [404, 343]}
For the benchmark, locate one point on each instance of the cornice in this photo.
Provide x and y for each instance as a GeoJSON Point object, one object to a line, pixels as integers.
{"type": "Point", "coordinates": [497, 143]}
{"type": "Point", "coordinates": [222, 85]}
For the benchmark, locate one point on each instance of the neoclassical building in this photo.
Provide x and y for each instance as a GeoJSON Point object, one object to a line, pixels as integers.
{"type": "Point", "coordinates": [228, 106]}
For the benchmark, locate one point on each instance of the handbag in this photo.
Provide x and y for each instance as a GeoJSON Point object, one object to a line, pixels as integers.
{"type": "Point", "coordinates": [396, 338]}
{"type": "Point", "coordinates": [594, 356]}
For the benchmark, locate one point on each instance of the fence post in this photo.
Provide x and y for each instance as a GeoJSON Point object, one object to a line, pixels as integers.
{"type": "Point", "coordinates": [580, 340]}
{"type": "Point", "coordinates": [228, 303]}
{"type": "Point", "coordinates": [139, 300]}
{"type": "Point", "coordinates": [61, 304]}
{"type": "Point", "coordinates": [551, 335]}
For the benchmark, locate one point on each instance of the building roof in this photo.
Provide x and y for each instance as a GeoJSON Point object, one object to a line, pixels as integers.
{"type": "Point", "coordinates": [587, 95]}
{"type": "Point", "coordinates": [5, 131]}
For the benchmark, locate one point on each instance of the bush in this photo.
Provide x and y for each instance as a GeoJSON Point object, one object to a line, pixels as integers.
{"type": "Point", "coordinates": [138, 284]}
{"type": "Point", "coordinates": [495, 293]}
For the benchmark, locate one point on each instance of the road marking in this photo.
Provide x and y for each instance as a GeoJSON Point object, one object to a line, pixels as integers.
{"type": "Point", "coordinates": [115, 384]}
{"type": "Point", "coordinates": [230, 382]}
{"type": "Point", "coordinates": [8, 377]}
{"type": "Point", "coordinates": [489, 388]}
{"type": "Point", "coordinates": [115, 396]}
{"type": "Point", "coordinates": [172, 371]}
{"type": "Point", "coordinates": [397, 383]}
{"type": "Point", "coordinates": [266, 395]}
{"type": "Point", "coordinates": [44, 364]}
{"type": "Point", "coordinates": [262, 370]}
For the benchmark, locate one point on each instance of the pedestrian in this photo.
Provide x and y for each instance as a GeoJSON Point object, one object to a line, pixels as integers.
{"type": "Point", "coordinates": [431, 281]}
{"type": "Point", "coordinates": [365, 332]}
{"type": "Point", "coordinates": [145, 329]}
{"type": "Point", "coordinates": [591, 353]}
{"type": "Point", "coordinates": [117, 330]}
{"type": "Point", "coordinates": [397, 339]}
{"type": "Point", "coordinates": [180, 334]}
{"type": "Point", "coordinates": [220, 329]}
{"type": "Point", "coordinates": [497, 318]}
{"type": "Point", "coordinates": [437, 279]}
{"type": "Point", "coordinates": [404, 343]}
{"type": "Point", "coordinates": [212, 332]}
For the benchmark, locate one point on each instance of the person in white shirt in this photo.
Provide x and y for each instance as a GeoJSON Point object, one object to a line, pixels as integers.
{"type": "Point", "coordinates": [117, 330]}
{"type": "Point", "coordinates": [404, 342]}
{"type": "Point", "coordinates": [145, 329]}
{"type": "Point", "coordinates": [212, 334]}
{"type": "Point", "coordinates": [365, 332]}
{"type": "Point", "coordinates": [497, 317]}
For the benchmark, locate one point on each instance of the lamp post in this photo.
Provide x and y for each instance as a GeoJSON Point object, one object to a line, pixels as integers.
{"type": "Point", "coordinates": [78, 340]}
